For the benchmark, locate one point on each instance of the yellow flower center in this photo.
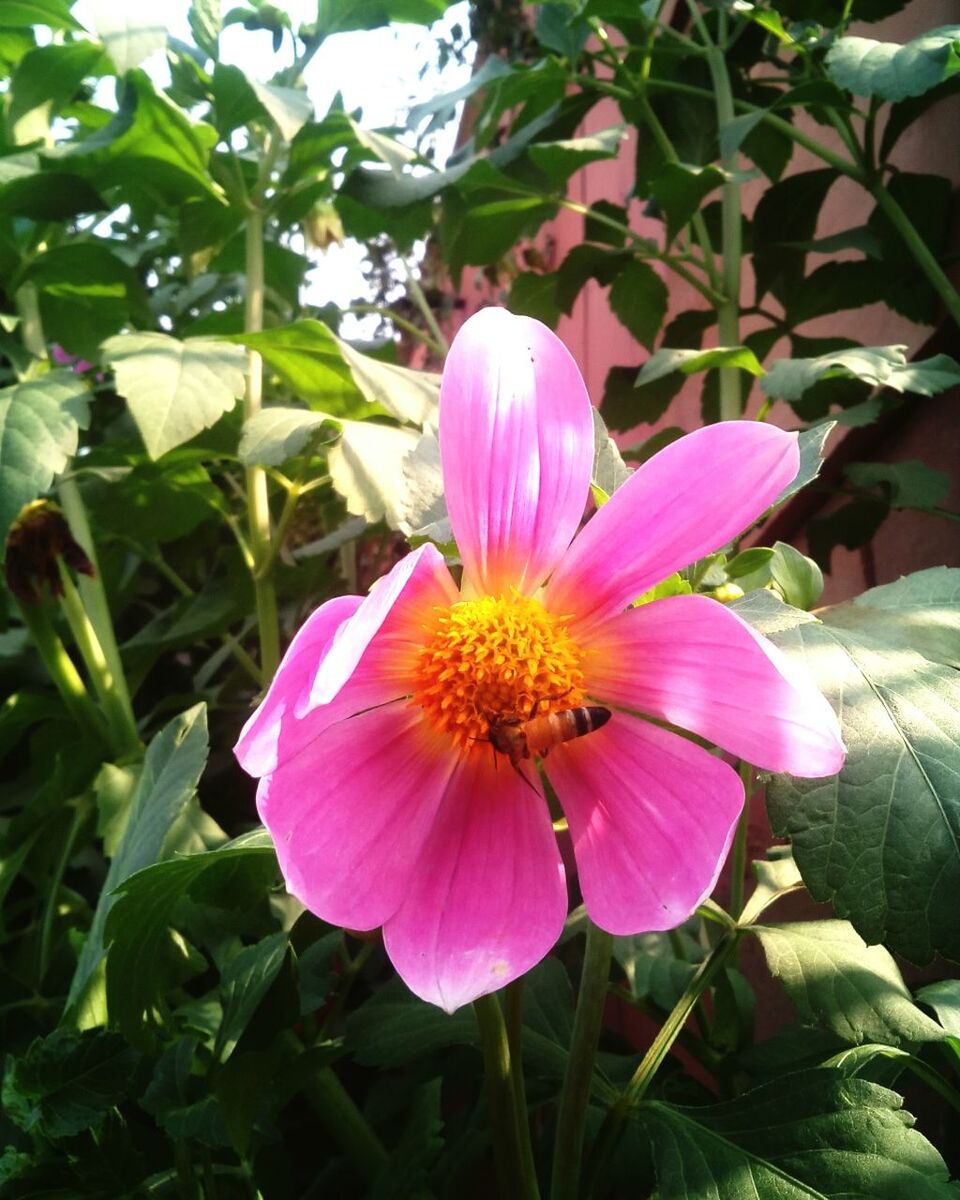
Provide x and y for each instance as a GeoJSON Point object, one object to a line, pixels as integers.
{"type": "Point", "coordinates": [499, 658]}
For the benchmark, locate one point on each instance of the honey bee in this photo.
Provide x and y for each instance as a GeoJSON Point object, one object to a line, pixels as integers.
{"type": "Point", "coordinates": [519, 739]}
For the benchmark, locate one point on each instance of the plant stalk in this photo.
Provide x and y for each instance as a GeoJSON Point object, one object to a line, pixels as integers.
{"type": "Point", "coordinates": [738, 855]}
{"type": "Point", "coordinates": [508, 1124]}
{"type": "Point", "coordinates": [123, 729]}
{"type": "Point", "coordinates": [61, 670]}
{"type": "Point", "coordinates": [575, 1096]}
{"type": "Point", "coordinates": [258, 505]}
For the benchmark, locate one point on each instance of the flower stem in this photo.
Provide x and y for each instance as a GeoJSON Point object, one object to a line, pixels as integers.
{"type": "Point", "coordinates": [258, 507]}
{"type": "Point", "coordinates": [123, 729]}
{"type": "Point", "coordinates": [738, 855]}
{"type": "Point", "coordinates": [660, 1047]}
{"type": "Point", "coordinates": [728, 312]}
{"type": "Point", "coordinates": [919, 249]}
{"type": "Point", "coordinates": [575, 1096]}
{"type": "Point", "coordinates": [94, 597]}
{"type": "Point", "coordinates": [61, 670]}
{"type": "Point", "coordinates": [421, 301]}
{"type": "Point", "coordinates": [509, 1125]}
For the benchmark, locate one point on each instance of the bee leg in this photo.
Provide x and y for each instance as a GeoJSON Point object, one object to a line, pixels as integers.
{"type": "Point", "coordinates": [516, 767]}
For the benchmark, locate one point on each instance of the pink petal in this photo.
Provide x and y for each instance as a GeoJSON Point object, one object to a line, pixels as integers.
{"type": "Point", "coordinates": [349, 815]}
{"type": "Point", "coordinates": [689, 500]}
{"type": "Point", "coordinates": [692, 662]}
{"type": "Point", "coordinates": [258, 744]}
{"type": "Point", "coordinates": [394, 609]}
{"type": "Point", "coordinates": [488, 899]}
{"type": "Point", "coordinates": [652, 817]}
{"type": "Point", "coordinates": [516, 445]}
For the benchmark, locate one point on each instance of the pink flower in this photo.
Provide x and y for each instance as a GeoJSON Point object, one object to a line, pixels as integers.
{"type": "Point", "coordinates": [383, 795]}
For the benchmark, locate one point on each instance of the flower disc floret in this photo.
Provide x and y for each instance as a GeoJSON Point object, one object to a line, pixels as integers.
{"type": "Point", "coordinates": [495, 658]}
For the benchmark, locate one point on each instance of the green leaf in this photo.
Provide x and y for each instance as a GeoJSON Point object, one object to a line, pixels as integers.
{"type": "Point", "coordinates": [393, 1027]}
{"type": "Point", "coordinates": [638, 298]}
{"type": "Point", "coordinates": [275, 434]}
{"type": "Point", "coordinates": [174, 389]}
{"type": "Point", "coordinates": [787, 213]}
{"type": "Point", "coordinates": [205, 25]}
{"type": "Point", "coordinates": [812, 443]}
{"type": "Point", "coordinates": [910, 484]}
{"type": "Point", "coordinates": [86, 293]}
{"type": "Point", "coordinates": [150, 143]}
{"type": "Point", "coordinates": [331, 375]}
{"type": "Point", "coordinates": [812, 1135]}
{"type": "Point", "coordinates": [406, 1174]}
{"type": "Point", "coordinates": [798, 579]}
{"type": "Point", "coordinates": [137, 929]}
{"type": "Point", "coordinates": [68, 1081]}
{"type": "Point", "coordinates": [680, 189]}
{"type": "Point", "coordinates": [559, 160]}
{"type": "Point", "coordinates": [652, 967]}
{"type": "Point", "coordinates": [288, 108]}
{"type": "Point", "coordinates": [128, 35]}
{"type": "Point", "coordinates": [39, 427]}
{"type": "Point", "coordinates": [49, 196]}
{"type": "Point", "coordinates": [24, 13]}
{"type": "Point", "coordinates": [833, 977]}
{"type": "Point", "coordinates": [367, 468]}
{"type": "Point", "coordinates": [881, 840]}
{"type": "Point", "coordinates": [50, 75]}
{"type": "Point", "coordinates": [944, 999]}
{"type": "Point", "coordinates": [245, 981]}
{"type": "Point", "coordinates": [609, 471]}
{"type": "Point", "coordinates": [338, 16]}
{"type": "Point", "coordinates": [535, 295]}
{"type": "Point", "coordinates": [879, 366]}
{"type": "Point", "coordinates": [921, 611]}
{"type": "Point", "coordinates": [777, 876]}
{"type": "Point", "coordinates": [870, 68]}
{"type": "Point", "coordinates": [172, 767]}
{"type": "Point", "coordinates": [688, 362]}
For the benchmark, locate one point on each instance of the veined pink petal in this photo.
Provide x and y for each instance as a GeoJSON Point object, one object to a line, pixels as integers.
{"type": "Point", "coordinates": [393, 609]}
{"type": "Point", "coordinates": [516, 445]}
{"type": "Point", "coordinates": [689, 500]}
{"type": "Point", "coordinates": [488, 899]}
{"type": "Point", "coordinates": [349, 814]}
{"type": "Point", "coordinates": [691, 661]}
{"type": "Point", "coordinates": [257, 748]}
{"type": "Point", "coordinates": [652, 817]}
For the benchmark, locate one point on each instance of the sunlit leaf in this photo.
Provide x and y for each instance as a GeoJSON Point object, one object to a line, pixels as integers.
{"type": "Point", "coordinates": [175, 389]}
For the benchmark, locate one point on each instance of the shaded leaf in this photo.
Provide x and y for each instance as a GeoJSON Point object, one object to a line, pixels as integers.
{"type": "Point", "coordinates": [688, 362]}
{"type": "Point", "coordinates": [812, 443]}
{"type": "Point", "coordinates": [909, 484]}
{"type": "Point", "coordinates": [638, 298]}
{"type": "Point", "coordinates": [68, 1081]}
{"type": "Point", "coordinates": [813, 1135]}
{"type": "Point", "coordinates": [172, 767]}
{"type": "Point", "coordinates": [882, 838]}
{"type": "Point", "coordinates": [245, 981]}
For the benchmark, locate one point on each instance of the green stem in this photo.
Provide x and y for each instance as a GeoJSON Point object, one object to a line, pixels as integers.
{"type": "Point", "coordinates": [513, 1015]}
{"type": "Point", "coordinates": [919, 249]}
{"type": "Point", "coordinates": [613, 1123]}
{"type": "Point", "coordinates": [123, 729]}
{"type": "Point", "coordinates": [416, 291]}
{"type": "Point", "coordinates": [258, 506]}
{"type": "Point", "coordinates": [61, 670]}
{"type": "Point", "coordinates": [53, 892]}
{"type": "Point", "coordinates": [728, 312]}
{"type": "Point", "coordinates": [31, 326]}
{"type": "Point", "coordinates": [94, 597]}
{"type": "Point", "coordinates": [383, 310]}
{"type": "Point", "coordinates": [643, 248]}
{"type": "Point", "coordinates": [339, 1115]}
{"type": "Point", "coordinates": [738, 855]}
{"type": "Point", "coordinates": [508, 1125]}
{"type": "Point", "coordinates": [575, 1096]}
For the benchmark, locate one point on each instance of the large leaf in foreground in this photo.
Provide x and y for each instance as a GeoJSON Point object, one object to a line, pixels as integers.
{"type": "Point", "coordinates": [137, 931]}
{"type": "Point", "coordinates": [882, 838]}
{"type": "Point", "coordinates": [174, 389]}
{"type": "Point", "coordinates": [174, 762]}
{"type": "Point", "coordinates": [922, 610]}
{"type": "Point", "coordinates": [813, 1135]}
{"type": "Point", "coordinates": [39, 425]}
